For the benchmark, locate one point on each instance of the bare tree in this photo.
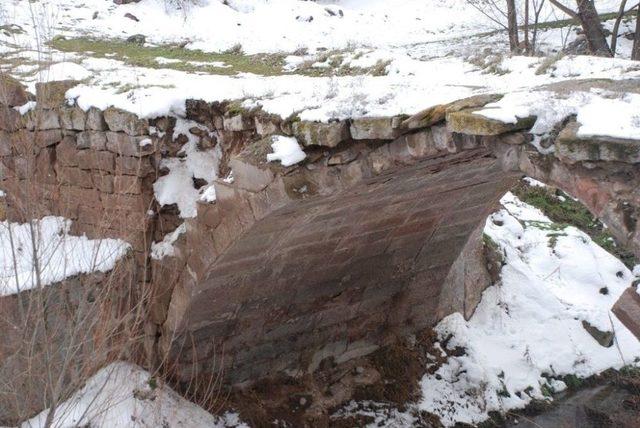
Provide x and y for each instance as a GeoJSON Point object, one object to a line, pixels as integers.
{"type": "Point", "coordinates": [512, 20]}
{"type": "Point", "coordinates": [635, 52]}
{"type": "Point", "coordinates": [589, 19]}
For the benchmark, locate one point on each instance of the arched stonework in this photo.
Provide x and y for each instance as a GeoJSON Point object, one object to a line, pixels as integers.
{"type": "Point", "coordinates": [341, 275]}
{"type": "Point", "coordinates": [375, 235]}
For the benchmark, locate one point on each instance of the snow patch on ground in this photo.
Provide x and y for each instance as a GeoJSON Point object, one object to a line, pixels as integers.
{"type": "Point", "coordinates": [60, 255]}
{"type": "Point", "coordinates": [123, 395]}
{"type": "Point", "coordinates": [286, 150]}
{"type": "Point", "coordinates": [527, 331]}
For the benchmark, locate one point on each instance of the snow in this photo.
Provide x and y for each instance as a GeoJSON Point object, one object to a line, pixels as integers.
{"type": "Point", "coordinates": [427, 48]}
{"type": "Point", "coordinates": [527, 331]}
{"type": "Point", "coordinates": [60, 255]}
{"type": "Point", "coordinates": [124, 395]}
{"type": "Point", "coordinates": [617, 117]}
{"type": "Point", "coordinates": [286, 150]}
{"type": "Point", "coordinates": [599, 112]}
{"type": "Point", "coordinates": [177, 187]}
{"type": "Point", "coordinates": [165, 248]}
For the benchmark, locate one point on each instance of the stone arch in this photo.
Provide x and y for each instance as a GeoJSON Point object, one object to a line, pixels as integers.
{"type": "Point", "coordinates": [339, 258]}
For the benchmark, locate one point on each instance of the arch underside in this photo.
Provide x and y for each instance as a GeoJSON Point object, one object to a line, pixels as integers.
{"type": "Point", "coordinates": [340, 275]}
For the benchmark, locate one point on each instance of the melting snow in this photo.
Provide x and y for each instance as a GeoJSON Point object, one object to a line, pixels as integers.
{"type": "Point", "coordinates": [177, 187]}
{"type": "Point", "coordinates": [165, 248]}
{"type": "Point", "coordinates": [527, 331]}
{"type": "Point", "coordinates": [59, 255]}
{"type": "Point", "coordinates": [123, 395]}
{"type": "Point", "coordinates": [286, 150]}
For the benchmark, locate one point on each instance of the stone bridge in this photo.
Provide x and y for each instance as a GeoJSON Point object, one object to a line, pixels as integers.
{"type": "Point", "coordinates": [375, 236]}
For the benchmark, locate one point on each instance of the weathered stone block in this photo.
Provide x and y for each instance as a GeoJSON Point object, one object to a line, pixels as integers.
{"type": "Point", "coordinates": [266, 125]}
{"type": "Point", "coordinates": [101, 161]}
{"type": "Point", "coordinates": [373, 128]}
{"type": "Point", "coordinates": [421, 144]}
{"type": "Point", "coordinates": [127, 184]}
{"type": "Point", "coordinates": [47, 138]}
{"type": "Point", "coordinates": [470, 123]}
{"type": "Point", "coordinates": [102, 182]}
{"type": "Point", "coordinates": [5, 143]}
{"type": "Point", "coordinates": [66, 152]}
{"type": "Point", "coordinates": [124, 121]}
{"type": "Point", "coordinates": [72, 118]}
{"type": "Point", "coordinates": [321, 134]}
{"type": "Point", "coordinates": [74, 177]}
{"type": "Point", "coordinates": [94, 140]}
{"type": "Point", "coordinates": [126, 203]}
{"type": "Point", "coordinates": [443, 139]}
{"type": "Point", "coordinates": [50, 95]}
{"type": "Point", "coordinates": [627, 309]}
{"type": "Point", "coordinates": [138, 166]}
{"type": "Point", "coordinates": [572, 148]}
{"type": "Point", "coordinates": [95, 120]}
{"type": "Point", "coordinates": [12, 92]}
{"type": "Point", "coordinates": [239, 122]}
{"type": "Point", "coordinates": [10, 119]}
{"type": "Point", "coordinates": [127, 145]}
{"type": "Point", "coordinates": [437, 113]}
{"type": "Point", "coordinates": [42, 119]}
{"type": "Point", "coordinates": [250, 177]}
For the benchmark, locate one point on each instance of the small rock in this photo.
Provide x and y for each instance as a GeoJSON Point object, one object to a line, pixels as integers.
{"type": "Point", "coordinates": [137, 39]}
{"type": "Point", "coordinates": [131, 16]}
{"type": "Point", "coordinates": [604, 338]}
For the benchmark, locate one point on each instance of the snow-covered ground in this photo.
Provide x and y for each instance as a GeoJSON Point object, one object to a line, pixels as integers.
{"type": "Point", "coordinates": [60, 255]}
{"type": "Point", "coordinates": [425, 51]}
{"type": "Point", "coordinates": [527, 332]}
{"type": "Point", "coordinates": [123, 395]}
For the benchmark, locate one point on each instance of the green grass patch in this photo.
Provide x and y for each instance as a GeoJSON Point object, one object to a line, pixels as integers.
{"type": "Point", "coordinates": [145, 56]}
{"type": "Point", "coordinates": [195, 61]}
{"type": "Point", "coordinates": [565, 211]}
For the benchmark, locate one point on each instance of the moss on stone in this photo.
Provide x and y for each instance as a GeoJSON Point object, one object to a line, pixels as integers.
{"type": "Point", "coordinates": [469, 123]}
{"type": "Point", "coordinates": [565, 211]}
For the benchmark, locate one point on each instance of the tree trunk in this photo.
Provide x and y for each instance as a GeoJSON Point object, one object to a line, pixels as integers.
{"type": "Point", "coordinates": [526, 27]}
{"type": "Point", "coordinates": [635, 53]}
{"type": "Point", "coordinates": [592, 27]}
{"type": "Point", "coordinates": [616, 27]}
{"type": "Point", "coordinates": [512, 19]}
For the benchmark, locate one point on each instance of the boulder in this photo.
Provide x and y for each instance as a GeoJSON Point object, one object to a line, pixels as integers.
{"type": "Point", "coordinates": [373, 128]}
{"type": "Point", "coordinates": [321, 134]}
{"type": "Point", "coordinates": [470, 123]}
{"type": "Point", "coordinates": [12, 92]}
{"type": "Point", "coordinates": [50, 95]}
{"type": "Point", "coordinates": [572, 148]}
{"type": "Point", "coordinates": [123, 121]}
{"type": "Point", "coordinates": [437, 113]}
{"type": "Point", "coordinates": [627, 309]}
{"type": "Point", "coordinates": [604, 338]}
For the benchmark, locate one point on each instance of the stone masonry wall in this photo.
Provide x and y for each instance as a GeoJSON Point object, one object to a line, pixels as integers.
{"type": "Point", "coordinates": [276, 232]}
